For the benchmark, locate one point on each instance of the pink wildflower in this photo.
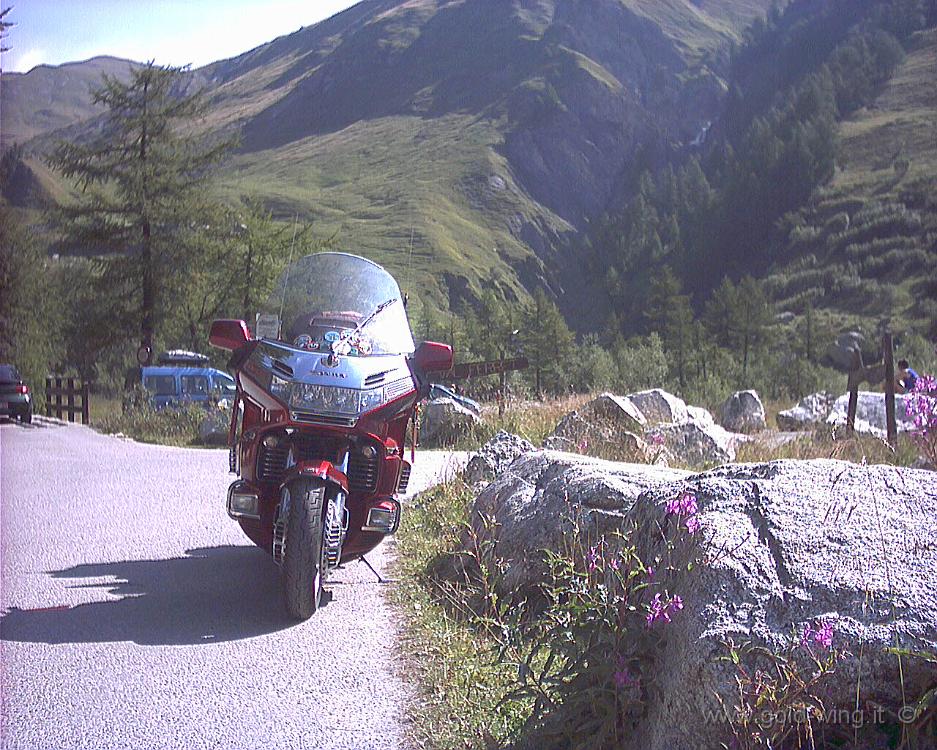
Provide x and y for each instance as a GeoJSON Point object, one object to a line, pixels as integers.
{"type": "Point", "coordinates": [592, 558]}
{"type": "Point", "coordinates": [823, 636]}
{"type": "Point", "coordinates": [660, 610]}
{"type": "Point", "coordinates": [656, 610]}
{"type": "Point", "coordinates": [685, 506]}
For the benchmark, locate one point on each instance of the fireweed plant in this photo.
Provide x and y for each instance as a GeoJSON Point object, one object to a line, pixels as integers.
{"type": "Point", "coordinates": [585, 645]}
{"type": "Point", "coordinates": [778, 700]}
{"type": "Point", "coordinates": [921, 406]}
{"type": "Point", "coordinates": [585, 651]}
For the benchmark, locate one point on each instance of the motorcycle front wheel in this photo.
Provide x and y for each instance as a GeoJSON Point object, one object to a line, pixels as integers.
{"type": "Point", "coordinates": [304, 561]}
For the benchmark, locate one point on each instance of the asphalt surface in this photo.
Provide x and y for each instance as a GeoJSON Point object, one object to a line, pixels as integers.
{"type": "Point", "coordinates": [135, 614]}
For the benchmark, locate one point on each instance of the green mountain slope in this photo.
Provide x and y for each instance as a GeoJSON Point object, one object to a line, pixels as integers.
{"type": "Point", "coordinates": [866, 245]}
{"type": "Point", "coordinates": [484, 129]}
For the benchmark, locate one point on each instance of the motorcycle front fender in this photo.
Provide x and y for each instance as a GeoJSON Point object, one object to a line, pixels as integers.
{"type": "Point", "coordinates": [324, 470]}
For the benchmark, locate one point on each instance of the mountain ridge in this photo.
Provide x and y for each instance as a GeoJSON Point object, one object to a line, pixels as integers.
{"type": "Point", "coordinates": [486, 130]}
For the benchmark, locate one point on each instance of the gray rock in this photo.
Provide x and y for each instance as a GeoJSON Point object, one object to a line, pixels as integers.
{"type": "Point", "coordinates": [444, 422]}
{"type": "Point", "coordinates": [840, 352]}
{"type": "Point", "coordinates": [604, 426]}
{"type": "Point", "coordinates": [870, 413]}
{"type": "Point", "coordinates": [213, 429]}
{"type": "Point", "coordinates": [495, 456]}
{"type": "Point", "coordinates": [660, 407]}
{"type": "Point", "coordinates": [696, 444]}
{"type": "Point", "coordinates": [538, 500]}
{"type": "Point", "coordinates": [810, 412]}
{"type": "Point", "coordinates": [743, 412]}
{"type": "Point", "coordinates": [795, 543]}
{"type": "Point", "coordinates": [784, 545]}
{"type": "Point", "coordinates": [700, 416]}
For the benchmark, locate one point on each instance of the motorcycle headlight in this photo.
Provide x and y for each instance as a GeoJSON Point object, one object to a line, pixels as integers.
{"type": "Point", "coordinates": [371, 399]}
{"type": "Point", "coordinates": [325, 399]}
{"type": "Point", "coordinates": [328, 399]}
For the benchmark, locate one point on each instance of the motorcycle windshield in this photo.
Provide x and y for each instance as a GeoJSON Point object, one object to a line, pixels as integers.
{"type": "Point", "coordinates": [326, 298]}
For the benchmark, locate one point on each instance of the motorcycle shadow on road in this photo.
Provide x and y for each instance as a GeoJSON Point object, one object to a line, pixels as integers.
{"type": "Point", "coordinates": [212, 595]}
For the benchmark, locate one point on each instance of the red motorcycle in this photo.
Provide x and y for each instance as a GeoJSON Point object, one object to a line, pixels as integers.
{"type": "Point", "coordinates": [326, 389]}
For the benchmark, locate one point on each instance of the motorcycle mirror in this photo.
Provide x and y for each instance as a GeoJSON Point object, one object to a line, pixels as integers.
{"type": "Point", "coordinates": [432, 357]}
{"type": "Point", "coordinates": [229, 334]}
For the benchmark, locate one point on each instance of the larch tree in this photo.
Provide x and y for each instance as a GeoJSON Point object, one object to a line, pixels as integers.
{"type": "Point", "coordinates": [141, 176]}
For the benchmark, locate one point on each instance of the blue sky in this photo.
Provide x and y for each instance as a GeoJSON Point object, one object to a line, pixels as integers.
{"type": "Point", "coordinates": [172, 32]}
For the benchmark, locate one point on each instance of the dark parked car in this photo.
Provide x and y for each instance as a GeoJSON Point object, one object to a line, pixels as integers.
{"type": "Point", "coordinates": [15, 399]}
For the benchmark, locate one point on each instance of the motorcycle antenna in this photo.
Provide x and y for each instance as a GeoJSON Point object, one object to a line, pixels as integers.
{"type": "Point", "coordinates": [289, 265]}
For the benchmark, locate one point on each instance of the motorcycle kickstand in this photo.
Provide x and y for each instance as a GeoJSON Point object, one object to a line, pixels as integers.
{"type": "Point", "coordinates": [380, 579]}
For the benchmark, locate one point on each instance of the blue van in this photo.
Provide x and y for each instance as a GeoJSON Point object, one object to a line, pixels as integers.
{"type": "Point", "coordinates": [185, 377]}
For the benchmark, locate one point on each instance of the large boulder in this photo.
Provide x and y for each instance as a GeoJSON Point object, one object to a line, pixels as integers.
{"type": "Point", "coordinates": [793, 544]}
{"type": "Point", "coordinates": [495, 456]}
{"type": "Point", "coordinates": [810, 412]}
{"type": "Point", "coordinates": [445, 422]}
{"type": "Point", "coordinates": [784, 546]}
{"type": "Point", "coordinates": [605, 426]}
{"type": "Point", "coordinates": [699, 415]}
{"type": "Point", "coordinates": [743, 412]}
{"type": "Point", "coordinates": [660, 407]}
{"type": "Point", "coordinates": [696, 443]}
{"type": "Point", "coordinates": [537, 501]}
{"type": "Point", "coordinates": [870, 413]}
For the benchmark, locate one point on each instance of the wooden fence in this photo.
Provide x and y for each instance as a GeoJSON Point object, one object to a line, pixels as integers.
{"type": "Point", "coordinates": [58, 388]}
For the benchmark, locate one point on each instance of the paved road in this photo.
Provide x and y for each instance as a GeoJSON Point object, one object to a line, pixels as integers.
{"type": "Point", "coordinates": [136, 614]}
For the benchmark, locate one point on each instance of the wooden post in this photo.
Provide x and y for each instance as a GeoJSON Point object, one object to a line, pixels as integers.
{"type": "Point", "coordinates": [58, 398]}
{"type": "Point", "coordinates": [48, 395]}
{"type": "Point", "coordinates": [70, 398]}
{"type": "Point", "coordinates": [890, 422]}
{"type": "Point", "coordinates": [855, 374]}
{"type": "Point", "coordinates": [504, 387]}
{"type": "Point", "coordinates": [85, 403]}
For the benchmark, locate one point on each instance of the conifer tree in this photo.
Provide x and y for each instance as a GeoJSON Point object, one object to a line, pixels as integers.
{"type": "Point", "coordinates": [140, 207]}
{"type": "Point", "coordinates": [548, 342]}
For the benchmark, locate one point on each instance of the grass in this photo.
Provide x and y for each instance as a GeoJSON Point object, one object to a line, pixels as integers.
{"type": "Point", "coordinates": [460, 680]}
{"type": "Point", "coordinates": [136, 418]}
{"type": "Point", "coordinates": [860, 449]}
{"type": "Point", "coordinates": [531, 420]}
{"type": "Point", "coordinates": [375, 183]}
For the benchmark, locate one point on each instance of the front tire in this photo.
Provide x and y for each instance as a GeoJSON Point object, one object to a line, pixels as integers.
{"type": "Point", "coordinates": [304, 563]}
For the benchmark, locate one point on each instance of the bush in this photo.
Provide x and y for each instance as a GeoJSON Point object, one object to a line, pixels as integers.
{"type": "Point", "coordinates": [140, 421]}
{"type": "Point", "coordinates": [641, 363]}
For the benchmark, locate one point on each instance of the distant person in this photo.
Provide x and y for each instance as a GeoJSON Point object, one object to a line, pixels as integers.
{"type": "Point", "coordinates": [905, 377]}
